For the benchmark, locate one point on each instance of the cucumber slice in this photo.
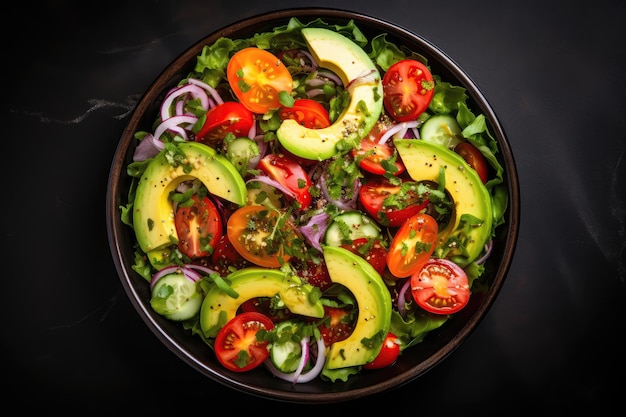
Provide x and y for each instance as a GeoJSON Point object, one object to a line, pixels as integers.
{"type": "Point", "coordinates": [349, 226]}
{"type": "Point", "coordinates": [442, 129]}
{"type": "Point", "coordinates": [285, 353]}
{"type": "Point", "coordinates": [175, 297]}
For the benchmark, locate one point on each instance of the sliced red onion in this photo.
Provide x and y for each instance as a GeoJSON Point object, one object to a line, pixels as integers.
{"type": "Point", "coordinates": [315, 82]}
{"type": "Point", "coordinates": [314, 92]}
{"type": "Point", "coordinates": [331, 76]}
{"type": "Point", "coordinates": [207, 271]}
{"type": "Point", "coordinates": [489, 249]}
{"type": "Point", "coordinates": [192, 89]}
{"type": "Point", "coordinates": [315, 229]}
{"type": "Point", "coordinates": [366, 77]}
{"type": "Point", "coordinates": [345, 204]}
{"type": "Point", "coordinates": [304, 358]}
{"type": "Point", "coordinates": [211, 90]}
{"type": "Point", "coordinates": [402, 297]}
{"type": "Point", "coordinates": [319, 364]}
{"type": "Point", "coordinates": [147, 148]}
{"type": "Point", "coordinates": [310, 57]}
{"type": "Point", "coordinates": [297, 377]}
{"type": "Point", "coordinates": [173, 122]}
{"type": "Point", "coordinates": [192, 275]}
{"type": "Point", "coordinates": [267, 180]}
{"type": "Point", "coordinates": [398, 129]}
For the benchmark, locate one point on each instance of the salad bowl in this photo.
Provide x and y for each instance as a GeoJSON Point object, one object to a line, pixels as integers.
{"type": "Point", "coordinates": [414, 361]}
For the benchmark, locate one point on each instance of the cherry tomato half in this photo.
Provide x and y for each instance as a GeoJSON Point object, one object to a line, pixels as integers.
{"type": "Point", "coordinates": [337, 326]}
{"type": "Point", "coordinates": [264, 306]}
{"type": "Point", "coordinates": [370, 250]}
{"type": "Point", "coordinates": [228, 117]}
{"type": "Point", "coordinates": [408, 88]}
{"type": "Point", "coordinates": [290, 174]}
{"type": "Point", "coordinates": [257, 76]}
{"type": "Point", "coordinates": [309, 113]}
{"type": "Point", "coordinates": [225, 256]}
{"type": "Point", "coordinates": [412, 245]}
{"type": "Point", "coordinates": [370, 154]}
{"type": "Point", "coordinates": [440, 287]}
{"type": "Point", "coordinates": [387, 355]}
{"type": "Point", "coordinates": [198, 226]}
{"type": "Point", "coordinates": [373, 194]}
{"type": "Point", "coordinates": [255, 233]}
{"type": "Point", "coordinates": [474, 158]}
{"type": "Point", "coordinates": [236, 344]}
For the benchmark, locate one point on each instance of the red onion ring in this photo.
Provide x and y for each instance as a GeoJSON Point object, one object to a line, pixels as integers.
{"type": "Point", "coordinates": [314, 230]}
{"type": "Point", "coordinates": [366, 77]}
{"type": "Point", "coordinates": [192, 275]}
{"type": "Point", "coordinates": [267, 180]}
{"type": "Point", "coordinates": [194, 90]}
{"type": "Point", "coordinates": [214, 94]}
{"type": "Point", "coordinates": [400, 129]}
{"type": "Point", "coordinates": [207, 271]}
{"type": "Point", "coordinates": [402, 298]}
{"type": "Point", "coordinates": [489, 249]}
{"type": "Point", "coordinates": [297, 377]}
{"type": "Point", "coordinates": [147, 148]}
{"type": "Point", "coordinates": [173, 122]}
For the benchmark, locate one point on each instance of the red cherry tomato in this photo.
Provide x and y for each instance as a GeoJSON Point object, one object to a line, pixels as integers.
{"type": "Point", "coordinates": [387, 355]}
{"type": "Point", "coordinates": [412, 245]}
{"type": "Point", "coordinates": [236, 344]}
{"type": "Point", "coordinates": [225, 255]}
{"type": "Point", "coordinates": [289, 173]}
{"type": "Point", "coordinates": [440, 287]}
{"type": "Point", "coordinates": [408, 88]}
{"type": "Point", "coordinates": [370, 154]}
{"type": "Point", "coordinates": [229, 117]}
{"type": "Point", "coordinates": [257, 76]}
{"type": "Point", "coordinates": [370, 250]}
{"type": "Point", "coordinates": [198, 226]}
{"type": "Point", "coordinates": [263, 305]}
{"type": "Point", "coordinates": [474, 158]}
{"type": "Point", "coordinates": [404, 204]}
{"type": "Point", "coordinates": [314, 273]}
{"type": "Point", "coordinates": [309, 113]}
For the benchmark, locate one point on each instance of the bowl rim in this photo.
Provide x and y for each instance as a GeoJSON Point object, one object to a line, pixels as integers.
{"type": "Point", "coordinates": [117, 232]}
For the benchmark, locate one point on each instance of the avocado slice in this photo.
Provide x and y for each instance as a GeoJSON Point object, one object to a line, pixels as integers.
{"type": "Point", "coordinates": [153, 214]}
{"type": "Point", "coordinates": [218, 307]}
{"type": "Point", "coordinates": [349, 61]}
{"type": "Point", "coordinates": [424, 162]}
{"type": "Point", "coordinates": [374, 303]}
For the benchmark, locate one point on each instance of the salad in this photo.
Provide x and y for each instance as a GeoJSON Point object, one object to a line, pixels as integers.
{"type": "Point", "coordinates": [313, 202]}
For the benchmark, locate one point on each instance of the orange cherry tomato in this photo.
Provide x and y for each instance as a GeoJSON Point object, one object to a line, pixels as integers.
{"type": "Point", "coordinates": [256, 233]}
{"type": "Point", "coordinates": [412, 245]}
{"type": "Point", "coordinates": [257, 76]}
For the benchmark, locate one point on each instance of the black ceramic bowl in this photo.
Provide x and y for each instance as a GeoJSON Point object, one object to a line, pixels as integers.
{"type": "Point", "coordinates": [416, 360]}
